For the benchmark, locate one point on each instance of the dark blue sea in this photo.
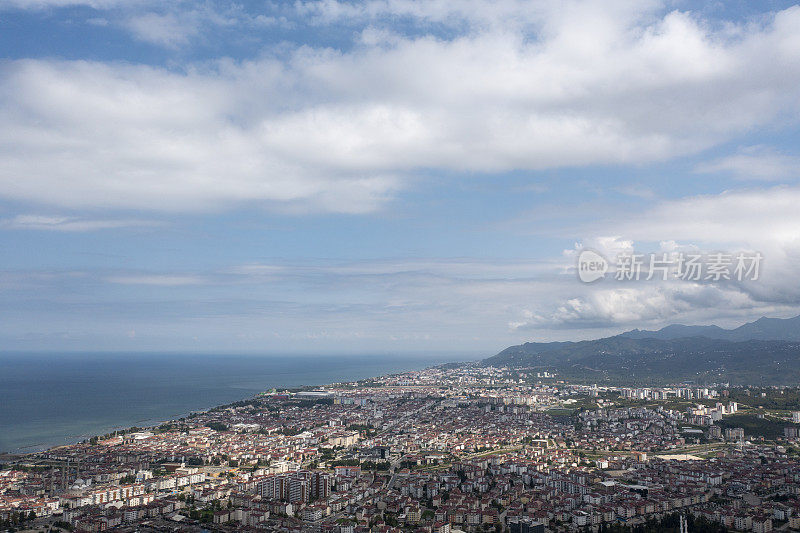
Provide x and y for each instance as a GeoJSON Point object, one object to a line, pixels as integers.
{"type": "Point", "coordinates": [52, 399]}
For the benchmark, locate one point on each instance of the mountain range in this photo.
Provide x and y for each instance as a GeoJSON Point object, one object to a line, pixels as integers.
{"type": "Point", "coordinates": [765, 329]}
{"type": "Point", "coordinates": [766, 351]}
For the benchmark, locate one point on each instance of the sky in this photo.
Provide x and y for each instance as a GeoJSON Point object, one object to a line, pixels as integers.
{"type": "Point", "coordinates": [389, 176]}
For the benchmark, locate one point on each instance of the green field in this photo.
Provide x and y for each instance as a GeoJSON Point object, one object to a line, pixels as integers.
{"type": "Point", "coordinates": [754, 426]}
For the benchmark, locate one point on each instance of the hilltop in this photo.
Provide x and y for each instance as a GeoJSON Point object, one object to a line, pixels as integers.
{"type": "Point", "coordinates": [765, 351]}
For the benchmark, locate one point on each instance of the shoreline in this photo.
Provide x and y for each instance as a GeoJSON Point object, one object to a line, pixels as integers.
{"type": "Point", "coordinates": [152, 422]}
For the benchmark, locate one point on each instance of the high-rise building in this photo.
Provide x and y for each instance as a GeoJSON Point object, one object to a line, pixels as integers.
{"type": "Point", "coordinates": [298, 489]}
{"type": "Point", "coordinates": [321, 485]}
{"type": "Point", "coordinates": [295, 487]}
{"type": "Point", "coordinates": [735, 434]}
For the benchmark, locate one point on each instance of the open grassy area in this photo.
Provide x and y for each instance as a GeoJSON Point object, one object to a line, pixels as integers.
{"type": "Point", "coordinates": [786, 400]}
{"type": "Point", "coordinates": [560, 411]}
{"type": "Point", "coordinates": [754, 426]}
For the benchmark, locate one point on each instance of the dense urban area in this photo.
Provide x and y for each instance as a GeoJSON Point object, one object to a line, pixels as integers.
{"type": "Point", "coordinates": [447, 449]}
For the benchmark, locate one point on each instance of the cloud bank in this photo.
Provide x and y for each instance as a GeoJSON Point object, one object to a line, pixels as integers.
{"type": "Point", "coordinates": [314, 129]}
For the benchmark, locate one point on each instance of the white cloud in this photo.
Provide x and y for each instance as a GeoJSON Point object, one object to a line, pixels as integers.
{"type": "Point", "coordinates": [751, 217]}
{"type": "Point", "coordinates": [177, 25]}
{"type": "Point", "coordinates": [326, 130]}
{"type": "Point", "coordinates": [755, 163]}
{"type": "Point", "coordinates": [608, 246]}
{"type": "Point", "coordinates": [95, 4]}
{"type": "Point", "coordinates": [748, 220]}
{"type": "Point", "coordinates": [634, 305]}
{"type": "Point", "coordinates": [170, 29]}
{"type": "Point", "coordinates": [477, 14]}
{"type": "Point", "coordinates": [444, 303]}
{"type": "Point", "coordinates": [69, 224]}
{"type": "Point", "coordinates": [541, 298]}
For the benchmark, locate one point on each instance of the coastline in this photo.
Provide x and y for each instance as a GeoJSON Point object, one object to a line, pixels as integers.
{"type": "Point", "coordinates": [148, 389]}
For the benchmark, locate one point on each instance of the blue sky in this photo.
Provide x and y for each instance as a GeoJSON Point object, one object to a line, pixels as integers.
{"type": "Point", "coordinates": [387, 176]}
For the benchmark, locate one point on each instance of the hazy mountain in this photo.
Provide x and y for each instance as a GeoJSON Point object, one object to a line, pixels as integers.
{"type": "Point", "coordinates": [765, 351]}
{"type": "Point", "coordinates": [678, 331]}
{"type": "Point", "coordinates": [777, 329]}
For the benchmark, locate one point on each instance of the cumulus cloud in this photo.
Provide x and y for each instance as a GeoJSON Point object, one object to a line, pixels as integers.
{"type": "Point", "coordinates": [458, 87]}
{"type": "Point", "coordinates": [638, 305]}
{"type": "Point", "coordinates": [749, 220]}
{"type": "Point", "coordinates": [344, 131]}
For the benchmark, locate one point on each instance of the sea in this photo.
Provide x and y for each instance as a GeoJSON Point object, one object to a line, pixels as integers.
{"type": "Point", "coordinates": [54, 399]}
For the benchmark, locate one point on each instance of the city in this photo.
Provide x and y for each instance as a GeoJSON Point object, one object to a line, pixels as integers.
{"type": "Point", "coordinates": [447, 449]}
{"type": "Point", "coordinates": [399, 266]}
